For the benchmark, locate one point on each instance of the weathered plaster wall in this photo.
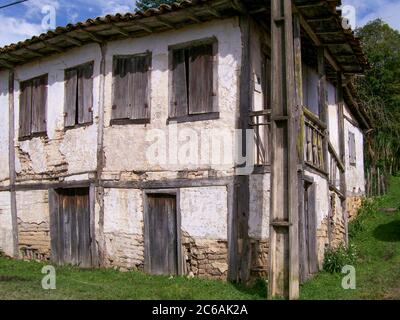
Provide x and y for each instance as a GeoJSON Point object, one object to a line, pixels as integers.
{"type": "Point", "coordinates": [61, 152]}
{"type": "Point", "coordinates": [355, 179]}
{"type": "Point", "coordinates": [204, 223]}
{"type": "Point", "coordinates": [122, 142]}
{"type": "Point", "coordinates": [33, 224]}
{"type": "Point", "coordinates": [4, 128]}
{"type": "Point", "coordinates": [333, 117]}
{"type": "Point", "coordinates": [260, 193]}
{"type": "Point", "coordinates": [123, 228]}
{"type": "Point", "coordinates": [6, 234]}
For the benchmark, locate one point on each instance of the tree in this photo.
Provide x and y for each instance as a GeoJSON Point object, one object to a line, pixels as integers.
{"type": "Point", "coordinates": [147, 4]}
{"type": "Point", "coordinates": [379, 93]}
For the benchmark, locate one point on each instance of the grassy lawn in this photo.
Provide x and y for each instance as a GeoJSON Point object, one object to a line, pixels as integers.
{"type": "Point", "coordinates": [376, 235]}
{"type": "Point", "coordinates": [22, 280]}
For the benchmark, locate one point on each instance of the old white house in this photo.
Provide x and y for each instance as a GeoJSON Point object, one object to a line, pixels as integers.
{"type": "Point", "coordinates": [121, 140]}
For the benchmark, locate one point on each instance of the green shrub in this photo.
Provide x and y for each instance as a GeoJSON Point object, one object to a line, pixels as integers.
{"type": "Point", "coordinates": [336, 259]}
{"type": "Point", "coordinates": [369, 208]}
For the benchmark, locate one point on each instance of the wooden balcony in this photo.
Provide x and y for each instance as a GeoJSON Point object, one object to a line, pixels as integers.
{"type": "Point", "coordinates": [260, 122]}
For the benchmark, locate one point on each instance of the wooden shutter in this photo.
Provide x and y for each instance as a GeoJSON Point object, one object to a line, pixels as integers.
{"type": "Point", "coordinates": [122, 106]}
{"type": "Point", "coordinates": [39, 101]}
{"type": "Point", "coordinates": [201, 79]}
{"type": "Point", "coordinates": [25, 109]}
{"type": "Point", "coordinates": [139, 87]}
{"type": "Point", "coordinates": [71, 81]}
{"type": "Point", "coordinates": [179, 101]}
{"type": "Point", "coordinates": [85, 93]}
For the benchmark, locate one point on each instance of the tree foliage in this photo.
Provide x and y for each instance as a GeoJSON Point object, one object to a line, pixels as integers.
{"type": "Point", "coordinates": [379, 92]}
{"type": "Point", "coordinates": [147, 4]}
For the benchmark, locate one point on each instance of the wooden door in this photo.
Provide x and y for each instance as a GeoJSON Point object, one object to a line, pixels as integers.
{"type": "Point", "coordinates": [308, 257]}
{"type": "Point", "coordinates": [70, 227]}
{"type": "Point", "coordinates": [162, 255]}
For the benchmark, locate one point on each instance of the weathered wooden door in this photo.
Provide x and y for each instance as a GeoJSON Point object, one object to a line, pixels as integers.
{"type": "Point", "coordinates": [70, 227]}
{"type": "Point", "coordinates": [308, 234]}
{"type": "Point", "coordinates": [162, 255]}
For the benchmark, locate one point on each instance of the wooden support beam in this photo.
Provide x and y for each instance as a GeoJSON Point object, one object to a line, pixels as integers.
{"type": "Point", "coordinates": [53, 47]}
{"type": "Point", "coordinates": [322, 102]}
{"type": "Point", "coordinates": [33, 52]}
{"type": "Point", "coordinates": [165, 22]}
{"type": "Point", "coordinates": [144, 27]}
{"type": "Point", "coordinates": [11, 163]}
{"type": "Point", "coordinates": [284, 242]}
{"type": "Point", "coordinates": [342, 149]}
{"type": "Point", "coordinates": [6, 64]}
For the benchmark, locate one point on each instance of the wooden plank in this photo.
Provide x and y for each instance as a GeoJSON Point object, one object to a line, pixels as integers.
{"type": "Point", "coordinates": [70, 97]}
{"type": "Point", "coordinates": [11, 162]}
{"type": "Point", "coordinates": [322, 103]}
{"type": "Point", "coordinates": [179, 94]}
{"type": "Point", "coordinates": [54, 232]}
{"type": "Point", "coordinates": [122, 106]}
{"type": "Point", "coordinates": [85, 93]}
{"type": "Point", "coordinates": [312, 229]}
{"type": "Point", "coordinates": [25, 109]}
{"type": "Point", "coordinates": [284, 251]}
{"type": "Point", "coordinates": [39, 104]}
{"type": "Point", "coordinates": [140, 86]}
{"type": "Point", "coordinates": [201, 79]}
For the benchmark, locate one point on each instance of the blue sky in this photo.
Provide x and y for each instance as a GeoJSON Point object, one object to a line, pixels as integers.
{"type": "Point", "coordinates": [24, 20]}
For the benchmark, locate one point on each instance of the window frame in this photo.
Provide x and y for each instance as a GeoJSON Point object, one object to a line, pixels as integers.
{"type": "Point", "coordinates": [77, 124]}
{"type": "Point", "coordinates": [210, 115]}
{"type": "Point", "coordinates": [29, 82]}
{"type": "Point", "coordinates": [125, 121]}
{"type": "Point", "coordinates": [352, 157]}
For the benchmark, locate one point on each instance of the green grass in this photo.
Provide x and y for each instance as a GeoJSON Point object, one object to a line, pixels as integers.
{"type": "Point", "coordinates": [376, 235]}
{"type": "Point", "coordinates": [22, 280]}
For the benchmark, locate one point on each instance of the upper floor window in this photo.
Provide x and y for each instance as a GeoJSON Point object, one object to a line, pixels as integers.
{"type": "Point", "coordinates": [193, 81]}
{"type": "Point", "coordinates": [32, 106]}
{"type": "Point", "coordinates": [78, 106]}
{"type": "Point", "coordinates": [352, 148]}
{"type": "Point", "coordinates": [131, 89]}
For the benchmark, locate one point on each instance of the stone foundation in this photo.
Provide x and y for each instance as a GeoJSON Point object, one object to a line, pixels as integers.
{"type": "Point", "coordinates": [353, 205]}
{"type": "Point", "coordinates": [205, 258]}
{"type": "Point", "coordinates": [34, 240]}
{"type": "Point", "coordinates": [259, 259]}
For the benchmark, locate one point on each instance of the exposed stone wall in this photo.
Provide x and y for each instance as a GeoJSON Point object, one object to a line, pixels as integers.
{"type": "Point", "coordinates": [33, 224]}
{"type": "Point", "coordinates": [205, 258]}
{"type": "Point", "coordinates": [259, 258]}
{"type": "Point", "coordinates": [353, 205]}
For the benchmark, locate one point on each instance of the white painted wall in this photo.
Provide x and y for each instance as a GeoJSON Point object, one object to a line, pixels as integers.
{"type": "Point", "coordinates": [122, 143]}
{"type": "Point", "coordinates": [355, 178]}
{"type": "Point", "coordinates": [6, 234]}
{"type": "Point", "coordinates": [4, 127]}
{"type": "Point", "coordinates": [204, 212]}
{"type": "Point", "coordinates": [260, 193]}
{"type": "Point", "coordinates": [78, 146]}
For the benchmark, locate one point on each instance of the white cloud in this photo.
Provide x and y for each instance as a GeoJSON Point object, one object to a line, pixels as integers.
{"type": "Point", "coordinates": [13, 30]}
{"type": "Point", "coordinates": [367, 10]}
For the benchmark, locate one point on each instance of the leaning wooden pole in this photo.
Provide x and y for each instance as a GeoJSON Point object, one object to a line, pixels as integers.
{"type": "Point", "coordinates": [284, 244]}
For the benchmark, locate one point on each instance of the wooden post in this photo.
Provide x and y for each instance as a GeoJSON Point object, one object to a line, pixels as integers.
{"type": "Point", "coordinates": [99, 189]}
{"type": "Point", "coordinates": [284, 242]}
{"type": "Point", "coordinates": [342, 153]}
{"type": "Point", "coordinates": [11, 162]}
{"type": "Point", "coordinates": [299, 124]}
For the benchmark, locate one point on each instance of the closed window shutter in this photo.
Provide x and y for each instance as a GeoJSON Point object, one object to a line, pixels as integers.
{"type": "Point", "coordinates": [25, 109]}
{"type": "Point", "coordinates": [71, 81]}
{"type": "Point", "coordinates": [122, 106]}
{"type": "Point", "coordinates": [39, 101]}
{"type": "Point", "coordinates": [179, 101]}
{"type": "Point", "coordinates": [352, 148]}
{"type": "Point", "coordinates": [201, 79]}
{"type": "Point", "coordinates": [85, 93]}
{"type": "Point", "coordinates": [139, 87]}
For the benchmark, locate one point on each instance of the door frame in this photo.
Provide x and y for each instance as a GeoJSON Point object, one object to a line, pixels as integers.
{"type": "Point", "coordinates": [53, 201]}
{"type": "Point", "coordinates": [180, 255]}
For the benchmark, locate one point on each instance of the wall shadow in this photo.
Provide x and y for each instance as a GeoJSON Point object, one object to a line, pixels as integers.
{"type": "Point", "coordinates": [389, 232]}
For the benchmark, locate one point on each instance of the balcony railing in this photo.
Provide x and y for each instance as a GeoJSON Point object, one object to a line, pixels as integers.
{"type": "Point", "coordinates": [314, 135]}
{"type": "Point", "coordinates": [336, 168]}
{"type": "Point", "coordinates": [260, 121]}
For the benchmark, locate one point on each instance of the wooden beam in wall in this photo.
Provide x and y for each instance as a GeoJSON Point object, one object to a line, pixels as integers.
{"type": "Point", "coordinates": [284, 246]}
{"type": "Point", "coordinates": [11, 163]}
